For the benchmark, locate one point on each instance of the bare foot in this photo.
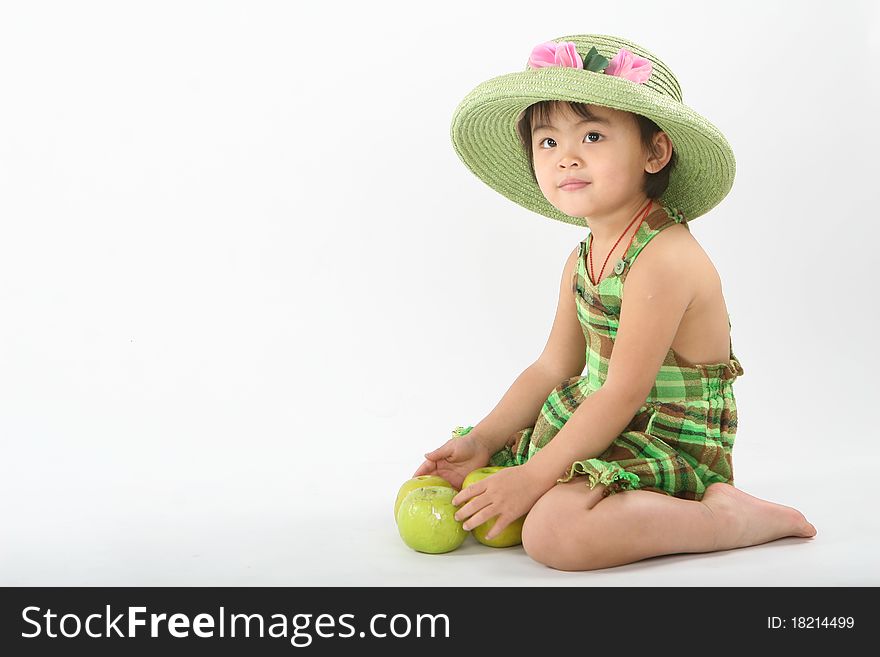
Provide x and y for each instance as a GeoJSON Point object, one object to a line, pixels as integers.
{"type": "Point", "coordinates": [747, 520]}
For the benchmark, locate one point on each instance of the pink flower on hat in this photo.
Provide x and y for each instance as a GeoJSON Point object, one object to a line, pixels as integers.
{"type": "Point", "coordinates": [555, 54]}
{"type": "Point", "coordinates": [625, 64]}
{"type": "Point", "coordinates": [629, 66]}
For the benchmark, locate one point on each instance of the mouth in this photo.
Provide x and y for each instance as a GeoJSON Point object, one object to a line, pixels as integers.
{"type": "Point", "coordinates": [573, 186]}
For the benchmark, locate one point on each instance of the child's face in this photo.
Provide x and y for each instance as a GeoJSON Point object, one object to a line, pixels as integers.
{"type": "Point", "coordinates": [608, 155]}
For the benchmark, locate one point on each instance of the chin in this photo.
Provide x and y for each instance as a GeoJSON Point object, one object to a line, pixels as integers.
{"type": "Point", "coordinates": [578, 214]}
{"type": "Point", "coordinates": [573, 210]}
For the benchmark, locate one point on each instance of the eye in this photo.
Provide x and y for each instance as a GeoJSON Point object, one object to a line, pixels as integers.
{"type": "Point", "coordinates": [540, 143]}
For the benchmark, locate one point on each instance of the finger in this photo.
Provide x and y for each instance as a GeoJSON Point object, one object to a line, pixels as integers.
{"type": "Point", "coordinates": [471, 508]}
{"type": "Point", "coordinates": [499, 526]}
{"type": "Point", "coordinates": [467, 493]}
{"type": "Point", "coordinates": [480, 517]}
{"type": "Point", "coordinates": [425, 468]}
{"type": "Point", "coordinates": [440, 453]}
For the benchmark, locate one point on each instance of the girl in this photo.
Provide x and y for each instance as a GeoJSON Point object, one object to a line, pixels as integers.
{"type": "Point", "coordinates": [633, 459]}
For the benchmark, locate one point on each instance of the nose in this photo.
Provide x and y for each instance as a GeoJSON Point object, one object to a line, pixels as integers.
{"type": "Point", "coordinates": [570, 163]}
{"type": "Point", "coordinates": [567, 160]}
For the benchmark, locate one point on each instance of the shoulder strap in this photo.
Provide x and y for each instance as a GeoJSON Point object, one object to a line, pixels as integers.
{"type": "Point", "coordinates": [655, 222]}
{"type": "Point", "coordinates": [658, 220]}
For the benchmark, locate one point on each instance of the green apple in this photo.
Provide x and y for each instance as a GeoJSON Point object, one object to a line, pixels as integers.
{"type": "Point", "coordinates": [417, 482]}
{"type": "Point", "coordinates": [510, 535]}
{"type": "Point", "coordinates": [426, 520]}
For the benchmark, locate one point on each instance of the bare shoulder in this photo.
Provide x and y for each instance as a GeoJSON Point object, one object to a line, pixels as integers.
{"type": "Point", "coordinates": [571, 262]}
{"type": "Point", "coordinates": [675, 252]}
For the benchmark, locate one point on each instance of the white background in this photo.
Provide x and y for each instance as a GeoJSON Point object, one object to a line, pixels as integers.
{"type": "Point", "coordinates": [245, 282]}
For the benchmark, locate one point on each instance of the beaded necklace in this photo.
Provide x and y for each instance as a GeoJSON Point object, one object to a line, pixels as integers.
{"type": "Point", "coordinates": [641, 214]}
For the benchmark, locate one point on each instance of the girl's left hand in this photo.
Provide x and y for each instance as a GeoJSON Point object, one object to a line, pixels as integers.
{"type": "Point", "coordinates": [509, 494]}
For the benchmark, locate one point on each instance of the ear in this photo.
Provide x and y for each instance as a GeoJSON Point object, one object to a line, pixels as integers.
{"type": "Point", "coordinates": [662, 146]}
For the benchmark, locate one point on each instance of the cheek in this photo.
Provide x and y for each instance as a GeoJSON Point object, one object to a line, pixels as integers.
{"type": "Point", "coordinates": [616, 172]}
{"type": "Point", "coordinates": [546, 189]}
{"type": "Point", "coordinates": [545, 179]}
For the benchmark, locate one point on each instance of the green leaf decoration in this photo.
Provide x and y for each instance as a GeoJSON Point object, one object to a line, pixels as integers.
{"type": "Point", "coordinates": [594, 61]}
{"type": "Point", "coordinates": [675, 214]}
{"type": "Point", "coordinates": [461, 431]}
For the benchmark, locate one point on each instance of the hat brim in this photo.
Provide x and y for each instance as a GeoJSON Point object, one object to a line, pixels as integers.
{"type": "Point", "coordinates": [484, 136]}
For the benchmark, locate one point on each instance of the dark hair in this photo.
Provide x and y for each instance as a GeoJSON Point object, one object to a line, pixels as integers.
{"type": "Point", "coordinates": [655, 183]}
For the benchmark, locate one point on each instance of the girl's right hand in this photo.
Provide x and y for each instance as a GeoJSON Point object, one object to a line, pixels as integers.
{"type": "Point", "coordinates": [455, 459]}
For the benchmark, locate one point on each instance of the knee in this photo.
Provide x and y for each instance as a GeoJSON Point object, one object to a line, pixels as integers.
{"type": "Point", "coordinates": [538, 536]}
{"type": "Point", "coordinates": [559, 531]}
{"type": "Point", "coordinates": [543, 539]}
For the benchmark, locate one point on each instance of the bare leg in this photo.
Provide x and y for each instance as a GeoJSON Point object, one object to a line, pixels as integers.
{"type": "Point", "coordinates": [574, 529]}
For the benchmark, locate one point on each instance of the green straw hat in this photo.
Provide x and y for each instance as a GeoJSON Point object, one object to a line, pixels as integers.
{"type": "Point", "coordinates": [599, 70]}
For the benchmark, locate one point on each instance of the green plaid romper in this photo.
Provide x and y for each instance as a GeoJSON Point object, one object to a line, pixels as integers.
{"type": "Point", "coordinates": [681, 440]}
